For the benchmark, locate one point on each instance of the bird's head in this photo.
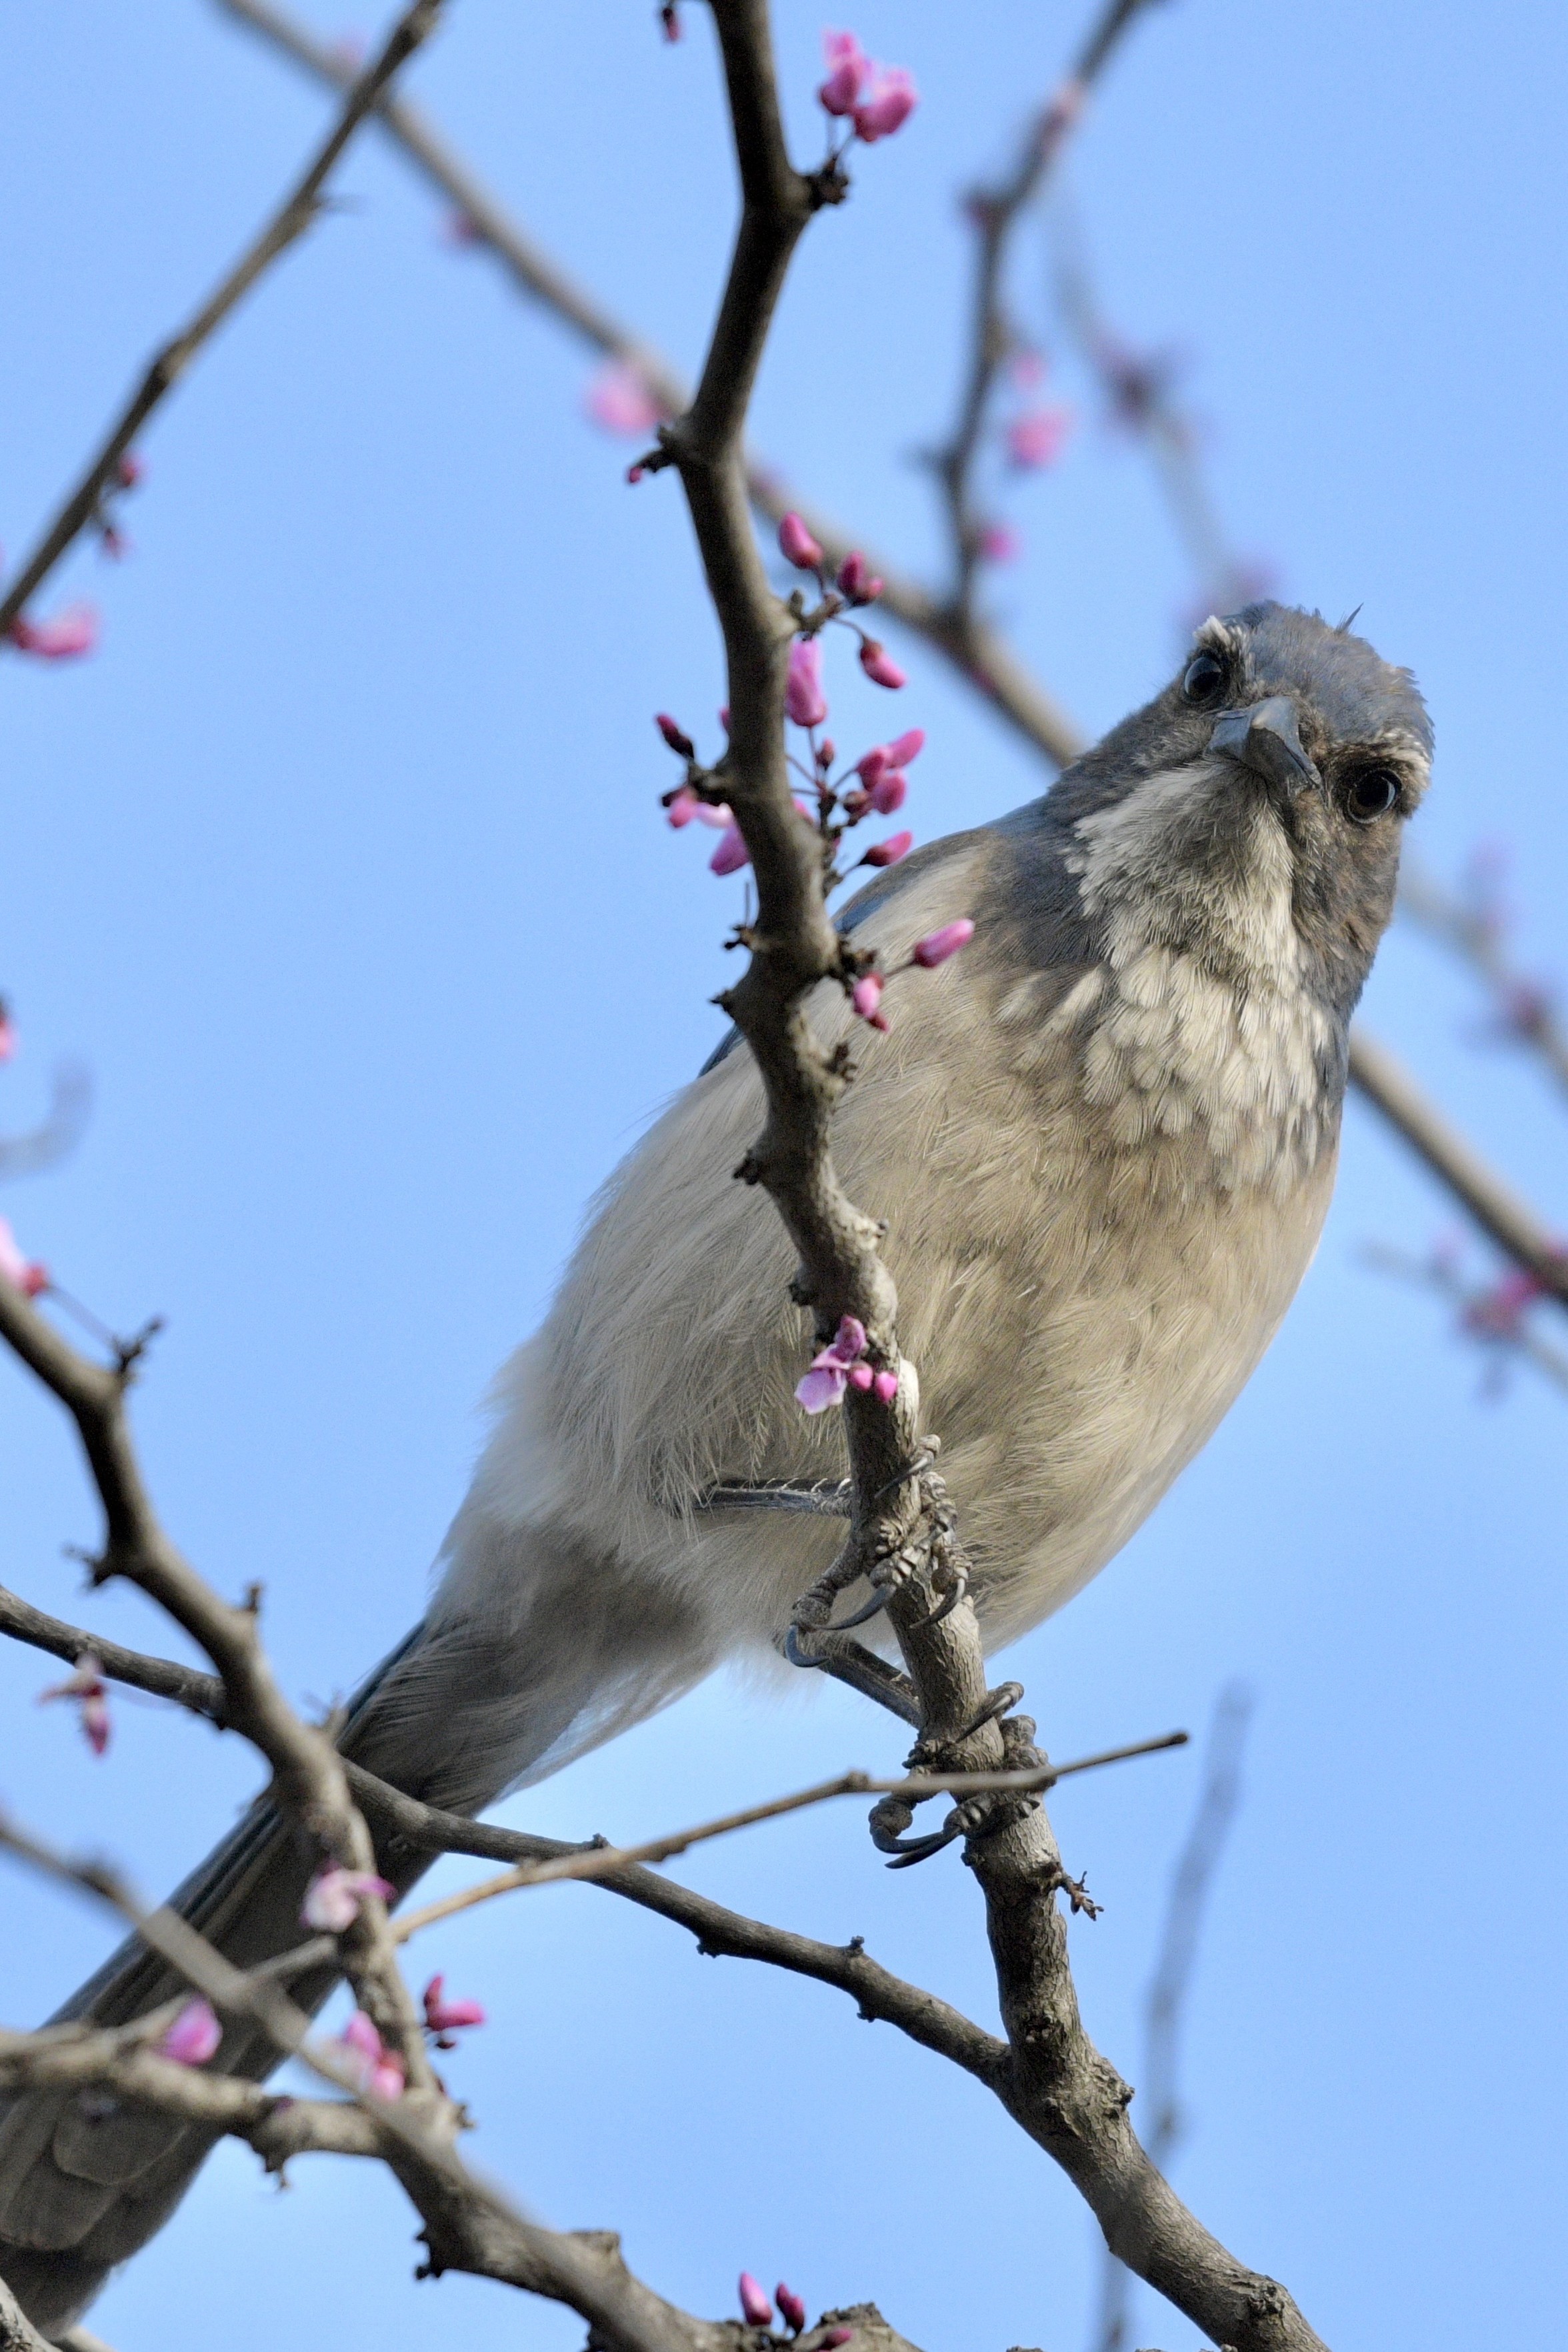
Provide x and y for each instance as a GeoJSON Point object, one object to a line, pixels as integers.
{"type": "Point", "coordinates": [1251, 813]}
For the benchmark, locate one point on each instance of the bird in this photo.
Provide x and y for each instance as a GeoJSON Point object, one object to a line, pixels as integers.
{"type": "Point", "coordinates": [1103, 1140]}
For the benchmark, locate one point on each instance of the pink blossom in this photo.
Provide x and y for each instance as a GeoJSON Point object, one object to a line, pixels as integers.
{"type": "Point", "coordinates": [71, 632]}
{"type": "Point", "coordinates": [682, 806]}
{"type": "Point", "coordinates": [866, 998]}
{"type": "Point", "coordinates": [799, 548]}
{"type": "Point", "coordinates": [1497, 1313]}
{"type": "Point", "coordinates": [620, 401]}
{"type": "Point", "coordinates": [848, 67]}
{"type": "Point", "coordinates": [380, 2070]}
{"type": "Point", "coordinates": [937, 946]}
{"type": "Point", "coordinates": [888, 105]}
{"type": "Point", "coordinates": [87, 1685]}
{"type": "Point", "coordinates": [885, 1387]}
{"type": "Point", "coordinates": [999, 543]}
{"type": "Point", "coordinates": [889, 851]}
{"type": "Point", "coordinates": [1036, 438]}
{"type": "Point", "coordinates": [443, 2018]}
{"type": "Point", "coordinates": [855, 581]}
{"type": "Point", "coordinates": [907, 746]}
{"type": "Point", "coordinates": [804, 700]}
{"type": "Point", "coordinates": [194, 2036]}
{"type": "Point", "coordinates": [731, 853]}
{"type": "Point", "coordinates": [22, 1272]}
{"type": "Point", "coordinates": [887, 795]}
{"type": "Point", "coordinates": [824, 1383]}
{"type": "Point", "coordinates": [792, 2311]}
{"type": "Point", "coordinates": [754, 2303]}
{"type": "Point", "coordinates": [333, 1897]}
{"type": "Point", "coordinates": [879, 666]}
{"type": "Point", "coordinates": [674, 736]}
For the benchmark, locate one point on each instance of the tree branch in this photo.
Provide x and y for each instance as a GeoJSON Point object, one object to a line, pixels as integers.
{"type": "Point", "coordinates": [293, 217]}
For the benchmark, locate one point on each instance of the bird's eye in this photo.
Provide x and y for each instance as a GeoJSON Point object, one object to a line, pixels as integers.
{"type": "Point", "coordinates": [1204, 680]}
{"type": "Point", "coordinates": [1370, 793]}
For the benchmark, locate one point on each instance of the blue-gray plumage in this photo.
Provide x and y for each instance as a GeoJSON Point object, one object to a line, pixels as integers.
{"type": "Point", "coordinates": [1103, 1140]}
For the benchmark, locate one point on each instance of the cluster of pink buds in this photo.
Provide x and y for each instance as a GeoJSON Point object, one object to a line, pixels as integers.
{"type": "Point", "coordinates": [194, 2037]}
{"type": "Point", "coordinates": [378, 2069]}
{"type": "Point", "coordinates": [757, 2310]}
{"type": "Point", "coordinates": [444, 2017]}
{"type": "Point", "coordinates": [88, 1689]}
{"type": "Point", "coordinates": [874, 99]}
{"type": "Point", "coordinates": [839, 1366]}
{"type": "Point", "coordinates": [333, 1897]}
{"type": "Point", "coordinates": [25, 1274]}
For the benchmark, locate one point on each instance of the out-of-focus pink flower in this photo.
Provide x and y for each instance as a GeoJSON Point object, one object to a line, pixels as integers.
{"type": "Point", "coordinates": [88, 1687]}
{"type": "Point", "coordinates": [907, 746]}
{"type": "Point", "coordinates": [24, 1274]}
{"type": "Point", "coordinates": [866, 998]}
{"type": "Point", "coordinates": [755, 2303]}
{"type": "Point", "coordinates": [889, 851]}
{"type": "Point", "coordinates": [1026, 368]}
{"type": "Point", "coordinates": [444, 2017]}
{"type": "Point", "coordinates": [72, 632]}
{"type": "Point", "coordinates": [1497, 1313]}
{"type": "Point", "coordinates": [999, 543]}
{"type": "Point", "coordinates": [855, 579]}
{"type": "Point", "coordinates": [7, 1032]}
{"type": "Point", "coordinates": [885, 1387]}
{"type": "Point", "coordinates": [792, 2311]}
{"type": "Point", "coordinates": [886, 796]}
{"type": "Point", "coordinates": [333, 1897]}
{"type": "Point", "coordinates": [619, 400]}
{"type": "Point", "coordinates": [804, 700]}
{"type": "Point", "coordinates": [887, 105]}
{"type": "Point", "coordinates": [380, 2070]}
{"type": "Point", "coordinates": [879, 665]}
{"type": "Point", "coordinates": [937, 946]}
{"type": "Point", "coordinates": [194, 2036]}
{"type": "Point", "coordinates": [825, 1383]}
{"type": "Point", "coordinates": [848, 67]}
{"type": "Point", "coordinates": [1036, 438]}
{"type": "Point", "coordinates": [799, 547]}
{"type": "Point", "coordinates": [682, 806]}
{"type": "Point", "coordinates": [731, 853]}
{"type": "Point", "coordinates": [675, 737]}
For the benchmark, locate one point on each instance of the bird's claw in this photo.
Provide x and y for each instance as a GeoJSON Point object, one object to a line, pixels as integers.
{"type": "Point", "coordinates": [794, 1652]}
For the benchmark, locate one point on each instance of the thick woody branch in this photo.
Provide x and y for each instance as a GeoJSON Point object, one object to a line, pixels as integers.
{"type": "Point", "coordinates": [297, 211]}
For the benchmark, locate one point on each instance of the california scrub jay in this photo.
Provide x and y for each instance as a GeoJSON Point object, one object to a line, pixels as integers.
{"type": "Point", "coordinates": [1103, 1140]}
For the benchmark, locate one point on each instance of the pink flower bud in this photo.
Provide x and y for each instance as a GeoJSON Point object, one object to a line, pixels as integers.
{"type": "Point", "coordinates": [885, 1387]}
{"type": "Point", "coordinates": [834, 2338]}
{"type": "Point", "coordinates": [731, 853]}
{"type": "Point", "coordinates": [827, 752]}
{"type": "Point", "coordinates": [866, 998]}
{"type": "Point", "coordinates": [792, 2311]}
{"type": "Point", "coordinates": [909, 747]}
{"type": "Point", "coordinates": [878, 665]}
{"type": "Point", "coordinates": [799, 547]}
{"type": "Point", "coordinates": [757, 2306]}
{"type": "Point", "coordinates": [804, 700]}
{"type": "Point", "coordinates": [871, 764]}
{"type": "Point", "coordinates": [194, 2037]}
{"type": "Point", "coordinates": [855, 581]}
{"type": "Point", "coordinates": [675, 737]}
{"type": "Point", "coordinates": [860, 1376]}
{"type": "Point", "coordinates": [682, 806]}
{"type": "Point", "coordinates": [1036, 438]}
{"type": "Point", "coordinates": [939, 945]}
{"type": "Point", "coordinates": [619, 400]}
{"type": "Point", "coordinates": [443, 2018]}
{"type": "Point", "coordinates": [849, 1339]}
{"type": "Point", "coordinates": [890, 101]}
{"type": "Point", "coordinates": [889, 851]}
{"type": "Point", "coordinates": [22, 1272]}
{"type": "Point", "coordinates": [886, 796]}
{"type": "Point", "coordinates": [70, 632]}
{"type": "Point", "coordinates": [635, 473]}
{"type": "Point", "coordinates": [999, 543]}
{"type": "Point", "coordinates": [333, 1897]}
{"type": "Point", "coordinates": [848, 66]}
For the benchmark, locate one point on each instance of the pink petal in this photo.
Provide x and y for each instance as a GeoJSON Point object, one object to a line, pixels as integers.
{"type": "Point", "coordinates": [854, 578]}
{"type": "Point", "coordinates": [719, 818]}
{"type": "Point", "coordinates": [23, 1274]}
{"type": "Point", "coordinates": [889, 851]}
{"type": "Point", "coordinates": [892, 101]}
{"type": "Point", "coordinates": [194, 2037]}
{"type": "Point", "coordinates": [682, 806]}
{"type": "Point", "coordinates": [620, 401]}
{"type": "Point", "coordinates": [937, 946]}
{"type": "Point", "coordinates": [866, 998]}
{"type": "Point", "coordinates": [849, 1339]}
{"type": "Point", "coordinates": [674, 736]}
{"type": "Point", "coordinates": [822, 1386]}
{"type": "Point", "coordinates": [731, 854]}
{"type": "Point", "coordinates": [360, 2035]}
{"type": "Point", "coordinates": [885, 1387]}
{"type": "Point", "coordinates": [1036, 439]}
{"type": "Point", "coordinates": [848, 66]}
{"type": "Point", "coordinates": [860, 1376]}
{"type": "Point", "coordinates": [873, 763]}
{"type": "Point", "coordinates": [386, 2078]}
{"type": "Point", "coordinates": [7, 1035]}
{"type": "Point", "coordinates": [799, 547]}
{"type": "Point", "coordinates": [791, 2309]}
{"type": "Point", "coordinates": [879, 666]}
{"type": "Point", "coordinates": [757, 2306]}
{"type": "Point", "coordinates": [804, 700]}
{"type": "Point", "coordinates": [907, 747]}
{"type": "Point", "coordinates": [887, 795]}
{"type": "Point", "coordinates": [95, 1721]}
{"type": "Point", "coordinates": [70, 632]}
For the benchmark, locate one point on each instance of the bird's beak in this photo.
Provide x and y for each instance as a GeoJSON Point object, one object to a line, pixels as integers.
{"type": "Point", "coordinates": [1265, 738]}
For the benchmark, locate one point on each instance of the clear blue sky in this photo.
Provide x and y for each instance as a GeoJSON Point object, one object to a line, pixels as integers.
{"type": "Point", "coordinates": [340, 864]}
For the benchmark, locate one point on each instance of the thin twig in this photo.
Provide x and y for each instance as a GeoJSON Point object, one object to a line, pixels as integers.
{"type": "Point", "coordinates": [1524, 1009]}
{"type": "Point", "coordinates": [298, 209]}
{"type": "Point", "coordinates": [1479, 1316]}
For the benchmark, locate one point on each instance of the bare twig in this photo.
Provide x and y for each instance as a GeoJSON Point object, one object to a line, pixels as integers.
{"type": "Point", "coordinates": [995, 213]}
{"type": "Point", "coordinates": [1480, 1315]}
{"type": "Point", "coordinates": [299, 208]}
{"type": "Point", "coordinates": [187, 1685]}
{"type": "Point", "coordinates": [1523, 1009]}
{"type": "Point", "coordinates": [1512, 1225]}
{"type": "Point", "coordinates": [1190, 1884]}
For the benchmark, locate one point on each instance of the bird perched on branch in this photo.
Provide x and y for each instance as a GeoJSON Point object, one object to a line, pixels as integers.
{"type": "Point", "coordinates": [1103, 1140]}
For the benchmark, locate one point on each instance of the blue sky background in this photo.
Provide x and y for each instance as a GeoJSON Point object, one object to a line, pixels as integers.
{"type": "Point", "coordinates": [342, 865]}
